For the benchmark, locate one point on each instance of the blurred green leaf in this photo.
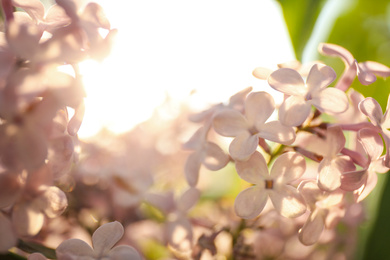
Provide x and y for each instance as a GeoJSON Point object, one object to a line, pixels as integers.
{"type": "Point", "coordinates": [11, 256]}
{"type": "Point", "coordinates": [364, 31]}
{"type": "Point", "coordinates": [300, 17]}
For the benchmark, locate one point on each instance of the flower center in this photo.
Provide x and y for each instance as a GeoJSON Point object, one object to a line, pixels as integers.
{"type": "Point", "coordinates": [269, 184]}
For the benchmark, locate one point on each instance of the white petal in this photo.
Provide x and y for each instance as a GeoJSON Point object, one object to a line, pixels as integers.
{"type": "Point", "coordinates": [254, 170]}
{"type": "Point", "coordinates": [330, 100]}
{"type": "Point", "coordinates": [258, 107]}
{"type": "Point", "coordinates": [250, 202]}
{"type": "Point", "coordinates": [230, 122]}
{"type": "Point", "coordinates": [74, 249]}
{"type": "Point", "coordinates": [335, 141]}
{"type": "Point", "coordinates": [330, 49]}
{"type": "Point", "coordinates": [8, 236]}
{"type": "Point", "coordinates": [312, 229]}
{"type": "Point", "coordinates": [29, 219]}
{"type": "Point", "coordinates": [376, 68]}
{"type": "Point", "coordinates": [106, 236]}
{"type": "Point", "coordinates": [276, 132]}
{"type": "Point", "coordinates": [294, 111]}
{"type": "Point", "coordinates": [214, 158]}
{"type": "Point", "coordinates": [123, 252]}
{"type": "Point", "coordinates": [329, 174]}
{"type": "Point", "coordinates": [192, 168]}
{"type": "Point", "coordinates": [287, 201]}
{"type": "Point", "coordinates": [372, 143]}
{"type": "Point", "coordinates": [320, 76]}
{"type": "Point", "coordinates": [243, 146]}
{"type": "Point", "coordinates": [261, 73]}
{"type": "Point", "coordinates": [288, 81]}
{"type": "Point", "coordinates": [288, 167]}
{"type": "Point", "coordinates": [371, 108]}
{"type": "Point", "coordinates": [188, 199]}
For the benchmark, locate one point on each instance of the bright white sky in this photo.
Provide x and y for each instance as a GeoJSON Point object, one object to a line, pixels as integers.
{"type": "Point", "coordinates": [176, 46]}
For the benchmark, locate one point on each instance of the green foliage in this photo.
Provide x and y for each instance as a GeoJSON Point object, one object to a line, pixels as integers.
{"type": "Point", "coordinates": [300, 16]}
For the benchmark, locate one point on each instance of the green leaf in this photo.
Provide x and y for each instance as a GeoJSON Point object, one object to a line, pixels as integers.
{"type": "Point", "coordinates": [11, 256]}
{"type": "Point", "coordinates": [31, 247]}
{"type": "Point", "coordinates": [300, 17]}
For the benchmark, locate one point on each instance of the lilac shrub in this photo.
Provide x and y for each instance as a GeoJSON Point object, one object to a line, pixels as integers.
{"type": "Point", "coordinates": [290, 179]}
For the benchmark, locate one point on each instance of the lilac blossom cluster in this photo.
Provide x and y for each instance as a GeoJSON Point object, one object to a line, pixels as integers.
{"type": "Point", "coordinates": [37, 138]}
{"type": "Point", "coordinates": [302, 180]}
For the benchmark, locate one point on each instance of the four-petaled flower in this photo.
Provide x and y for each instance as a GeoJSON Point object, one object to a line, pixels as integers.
{"type": "Point", "coordinates": [103, 240]}
{"type": "Point", "coordinates": [275, 185]}
{"type": "Point", "coordinates": [248, 128]}
{"type": "Point", "coordinates": [296, 108]}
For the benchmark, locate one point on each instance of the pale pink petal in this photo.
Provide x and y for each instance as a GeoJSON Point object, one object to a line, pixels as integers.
{"type": "Point", "coordinates": [310, 191]}
{"type": "Point", "coordinates": [372, 143]}
{"type": "Point", "coordinates": [237, 100]}
{"type": "Point", "coordinates": [376, 68]}
{"type": "Point", "coordinates": [386, 116]}
{"type": "Point", "coordinates": [8, 236]}
{"type": "Point", "coordinates": [55, 17]}
{"type": "Point", "coordinates": [258, 107]}
{"type": "Point", "coordinates": [386, 138]}
{"type": "Point", "coordinates": [214, 158]}
{"type": "Point", "coordinates": [330, 49]}
{"type": "Point", "coordinates": [351, 181]}
{"type": "Point", "coordinates": [330, 100]}
{"type": "Point", "coordinates": [124, 252]}
{"type": "Point", "coordinates": [53, 202]}
{"type": "Point", "coordinates": [230, 123]}
{"type": "Point", "coordinates": [288, 167]}
{"type": "Point", "coordinates": [106, 236]}
{"type": "Point", "coordinates": [93, 15]}
{"type": "Point", "coordinates": [320, 76]}
{"type": "Point", "coordinates": [250, 202]}
{"type": "Point", "coordinates": [277, 132]}
{"type": "Point", "coordinates": [294, 111]}
{"type": "Point", "coordinates": [370, 185]}
{"type": "Point", "coordinates": [10, 188]}
{"type": "Point", "coordinates": [329, 172]}
{"type": "Point", "coordinates": [329, 175]}
{"type": "Point", "coordinates": [243, 146]}
{"type": "Point", "coordinates": [349, 75]}
{"type": "Point", "coordinates": [287, 201]}
{"type": "Point", "coordinates": [76, 120]}
{"type": "Point", "coordinates": [196, 139]}
{"type": "Point", "coordinates": [261, 73]}
{"type": "Point", "coordinates": [192, 168]}
{"type": "Point", "coordinates": [23, 39]}
{"type": "Point", "coordinates": [293, 64]}
{"type": "Point", "coordinates": [34, 8]}
{"type": "Point", "coordinates": [312, 229]}
{"type": "Point", "coordinates": [365, 77]}
{"type": "Point", "coordinates": [254, 170]}
{"type": "Point", "coordinates": [335, 141]}
{"type": "Point", "coordinates": [180, 233]}
{"type": "Point", "coordinates": [188, 199]}
{"type": "Point", "coordinates": [28, 219]}
{"type": "Point", "coordinates": [371, 108]}
{"type": "Point", "coordinates": [74, 249]}
{"type": "Point", "coordinates": [287, 81]}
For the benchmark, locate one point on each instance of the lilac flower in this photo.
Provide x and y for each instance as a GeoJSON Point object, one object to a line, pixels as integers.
{"type": "Point", "coordinates": [207, 153]}
{"type": "Point", "coordinates": [325, 208]}
{"type": "Point", "coordinates": [103, 240]}
{"type": "Point", "coordinates": [248, 128]}
{"type": "Point", "coordinates": [296, 108]}
{"type": "Point", "coordinates": [365, 71]}
{"type": "Point", "coordinates": [275, 185]}
{"type": "Point", "coordinates": [363, 181]}
{"type": "Point", "coordinates": [380, 122]}
{"type": "Point", "coordinates": [333, 165]}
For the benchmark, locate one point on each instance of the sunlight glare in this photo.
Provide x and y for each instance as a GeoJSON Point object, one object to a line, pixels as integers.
{"type": "Point", "coordinates": [177, 47]}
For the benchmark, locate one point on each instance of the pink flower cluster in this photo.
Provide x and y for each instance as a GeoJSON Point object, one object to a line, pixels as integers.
{"type": "Point", "coordinates": [302, 167]}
